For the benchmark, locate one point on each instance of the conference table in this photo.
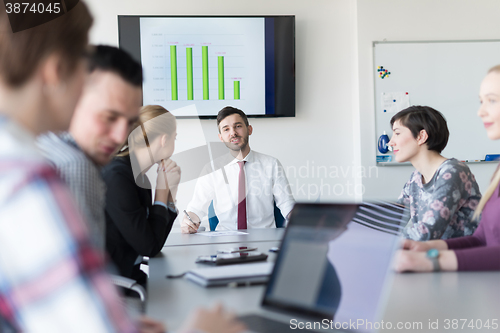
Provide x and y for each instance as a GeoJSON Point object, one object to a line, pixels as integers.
{"type": "Point", "coordinates": [450, 301]}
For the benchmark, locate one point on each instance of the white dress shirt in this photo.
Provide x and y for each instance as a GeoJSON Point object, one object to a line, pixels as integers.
{"type": "Point", "coordinates": [266, 183]}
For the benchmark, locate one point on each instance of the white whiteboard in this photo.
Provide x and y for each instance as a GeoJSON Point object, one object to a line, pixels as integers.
{"type": "Point", "coordinates": [444, 75]}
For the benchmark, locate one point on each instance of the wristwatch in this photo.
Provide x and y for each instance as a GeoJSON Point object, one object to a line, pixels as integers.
{"type": "Point", "coordinates": [433, 255]}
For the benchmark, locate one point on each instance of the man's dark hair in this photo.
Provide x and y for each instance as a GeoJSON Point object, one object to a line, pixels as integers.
{"type": "Point", "coordinates": [229, 110]}
{"type": "Point", "coordinates": [111, 59]}
{"type": "Point", "coordinates": [418, 118]}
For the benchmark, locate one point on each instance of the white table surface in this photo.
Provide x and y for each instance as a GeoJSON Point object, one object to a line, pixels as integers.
{"type": "Point", "coordinates": [254, 235]}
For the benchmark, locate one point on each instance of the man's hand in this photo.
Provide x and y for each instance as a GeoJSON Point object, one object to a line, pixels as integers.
{"type": "Point", "coordinates": [214, 320]}
{"type": "Point", "coordinates": [188, 227]}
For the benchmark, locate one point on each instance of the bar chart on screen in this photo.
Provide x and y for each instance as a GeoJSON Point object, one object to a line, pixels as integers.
{"type": "Point", "coordinates": [206, 62]}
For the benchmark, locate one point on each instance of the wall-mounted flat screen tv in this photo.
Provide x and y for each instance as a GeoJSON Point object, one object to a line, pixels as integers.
{"type": "Point", "coordinates": [196, 65]}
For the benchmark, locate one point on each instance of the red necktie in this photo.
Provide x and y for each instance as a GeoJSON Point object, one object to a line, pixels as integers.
{"type": "Point", "coordinates": [242, 200]}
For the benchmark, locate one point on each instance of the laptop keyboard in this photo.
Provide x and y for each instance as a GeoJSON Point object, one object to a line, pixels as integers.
{"type": "Point", "coordinates": [260, 324]}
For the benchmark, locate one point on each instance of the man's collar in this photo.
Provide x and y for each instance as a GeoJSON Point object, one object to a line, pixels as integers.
{"type": "Point", "coordinates": [68, 138]}
{"type": "Point", "coordinates": [248, 158]}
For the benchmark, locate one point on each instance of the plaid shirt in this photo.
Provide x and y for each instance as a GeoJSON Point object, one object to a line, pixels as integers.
{"type": "Point", "coordinates": [51, 279]}
{"type": "Point", "coordinates": [83, 177]}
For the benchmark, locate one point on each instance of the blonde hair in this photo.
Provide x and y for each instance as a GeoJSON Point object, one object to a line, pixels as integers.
{"type": "Point", "coordinates": [164, 123]}
{"type": "Point", "coordinates": [495, 179]}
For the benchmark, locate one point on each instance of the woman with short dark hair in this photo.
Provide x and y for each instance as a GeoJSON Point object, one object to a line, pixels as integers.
{"type": "Point", "coordinates": [441, 193]}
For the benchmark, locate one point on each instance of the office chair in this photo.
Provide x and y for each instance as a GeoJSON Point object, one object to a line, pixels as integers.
{"type": "Point", "coordinates": [130, 284]}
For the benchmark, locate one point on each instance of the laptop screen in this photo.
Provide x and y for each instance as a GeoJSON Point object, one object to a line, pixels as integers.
{"type": "Point", "coordinates": [334, 260]}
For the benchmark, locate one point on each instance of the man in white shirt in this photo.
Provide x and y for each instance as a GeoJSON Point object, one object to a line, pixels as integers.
{"type": "Point", "coordinates": [245, 188]}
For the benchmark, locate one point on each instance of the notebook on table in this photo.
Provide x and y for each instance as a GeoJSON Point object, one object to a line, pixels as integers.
{"type": "Point", "coordinates": [333, 269]}
{"type": "Point", "coordinates": [238, 274]}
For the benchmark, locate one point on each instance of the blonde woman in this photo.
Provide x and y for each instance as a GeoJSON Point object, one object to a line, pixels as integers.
{"type": "Point", "coordinates": [481, 251]}
{"type": "Point", "coordinates": [135, 226]}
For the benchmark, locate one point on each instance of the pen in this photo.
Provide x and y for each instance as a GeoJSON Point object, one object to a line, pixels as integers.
{"type": "Point", "coordinates": [189, 218]}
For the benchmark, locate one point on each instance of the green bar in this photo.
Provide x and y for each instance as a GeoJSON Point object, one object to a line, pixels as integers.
{"type": "Point", "coordinates": [236, 89]}
{"type": "Point", "coordinates": [221, 77]}
{"type": "Point", "coordinates": [189, 69]}
{"type": "Point", "coordinates": [204, 57]}
{"type": "Point", "coordinates": [173, 70]}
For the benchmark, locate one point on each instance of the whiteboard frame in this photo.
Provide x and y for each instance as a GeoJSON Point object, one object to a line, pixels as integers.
{"type": "Point", "coordinates": [374, 44]}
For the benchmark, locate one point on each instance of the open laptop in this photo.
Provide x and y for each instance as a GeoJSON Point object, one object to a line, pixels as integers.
{"type": "Point", "coordinates": [332, 269]}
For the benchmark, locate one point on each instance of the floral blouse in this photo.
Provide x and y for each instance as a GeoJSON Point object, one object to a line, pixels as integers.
{"type": "Point", "coordinates": [442, 208]}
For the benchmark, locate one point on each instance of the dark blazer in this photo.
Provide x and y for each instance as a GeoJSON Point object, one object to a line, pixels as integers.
{"type": "Point", "coordinates": [134, 226]}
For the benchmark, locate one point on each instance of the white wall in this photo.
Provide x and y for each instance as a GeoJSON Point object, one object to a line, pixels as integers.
{"type": "Point", "coordinates": [396, 20]}
{"type": "Point", "coordinates": [323, 132]}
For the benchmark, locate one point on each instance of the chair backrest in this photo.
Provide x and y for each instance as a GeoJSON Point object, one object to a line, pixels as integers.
{"type": "Point", "coordinates": [278, 217]}
{"type": "Point", "coordinates": [213, 220]}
